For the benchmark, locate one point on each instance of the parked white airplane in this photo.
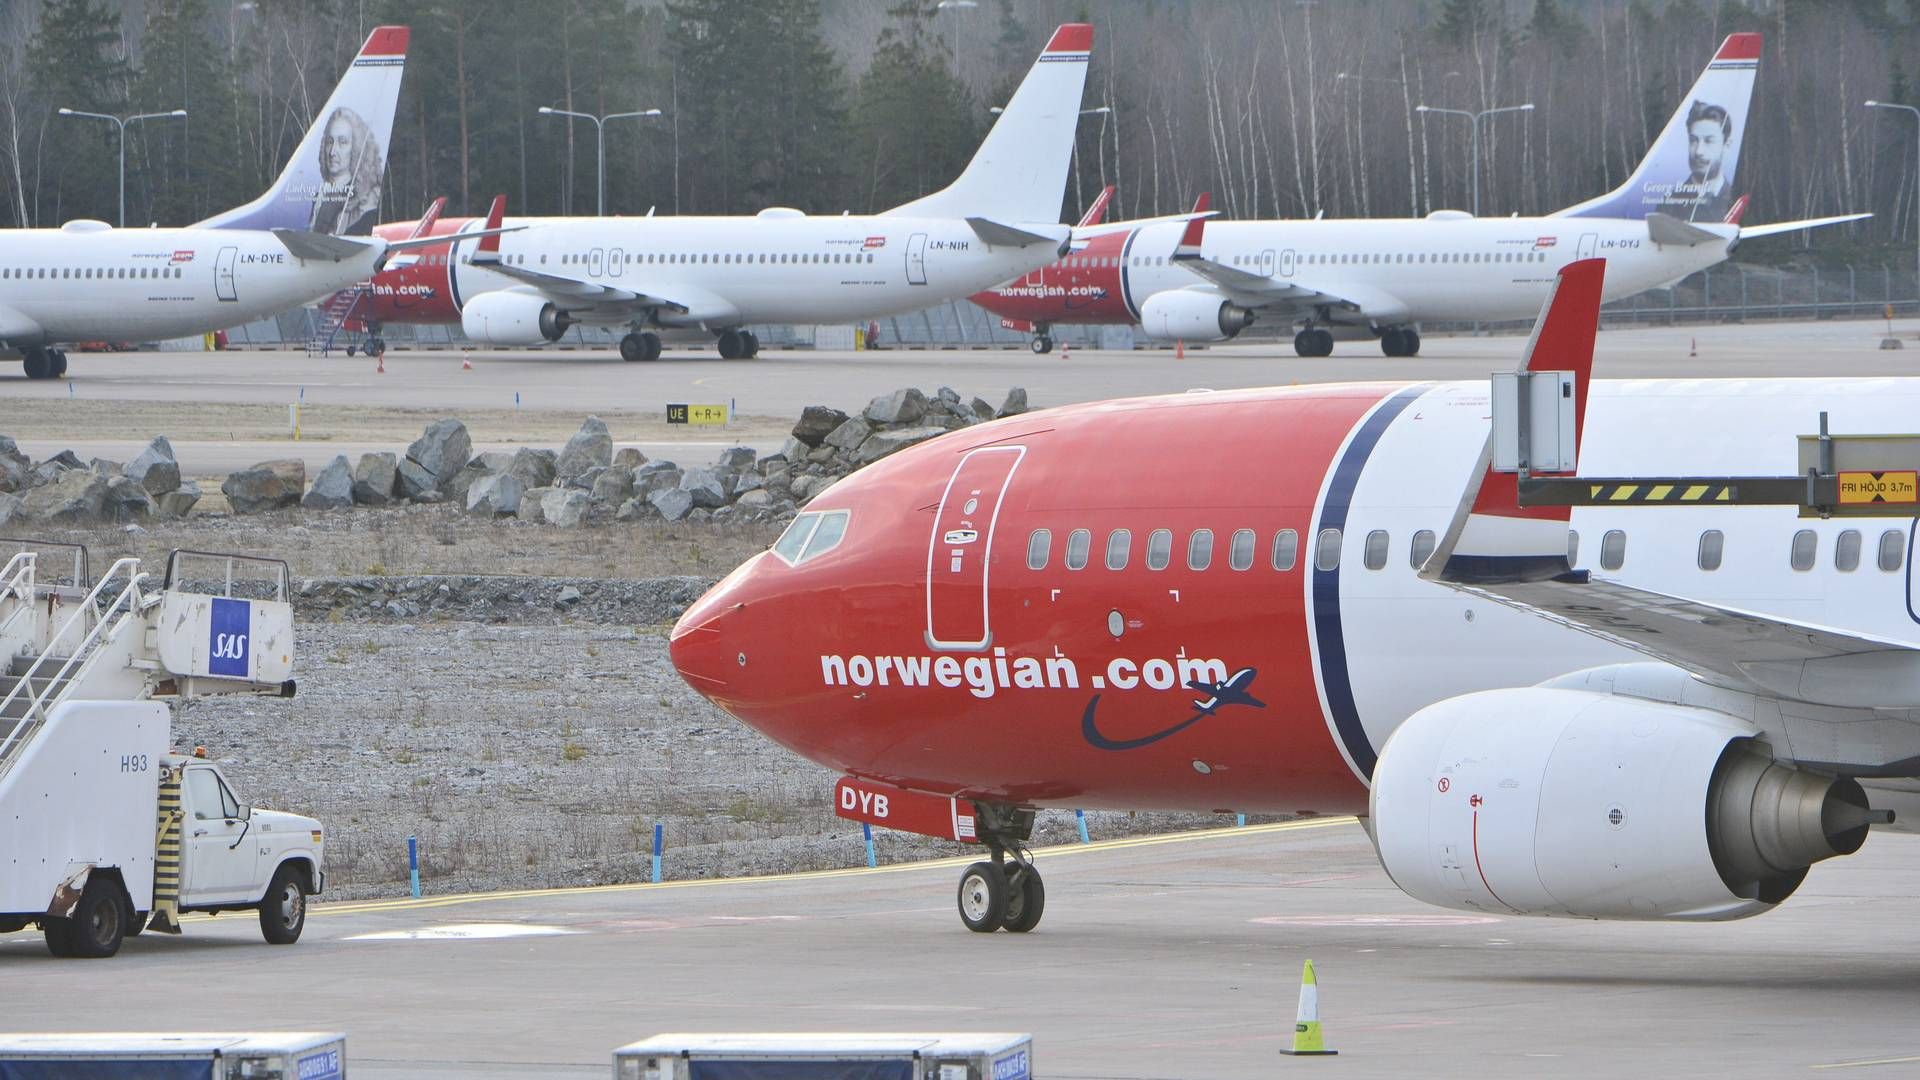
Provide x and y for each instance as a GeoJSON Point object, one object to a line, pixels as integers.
{"type": "Point", "coordinates": [88, 281]}
{"type": "Point", "coordinates": [708, 276]}
{"type": "Point", "coordinates": [1674, 216]}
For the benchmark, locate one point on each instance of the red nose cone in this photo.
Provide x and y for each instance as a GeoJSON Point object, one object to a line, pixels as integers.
{"type": "Point", "coordinates": [698, 646]}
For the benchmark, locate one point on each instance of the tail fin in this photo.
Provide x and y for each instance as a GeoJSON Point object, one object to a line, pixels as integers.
{"type": "Point", "coordinates": [1688, 173]}
{"type": "Point", "coordinates": [1019, 174]}
{"type": "Point", "coordinates": [333, 183]}
{"type": "Point", "coordinates": [1098, 211]}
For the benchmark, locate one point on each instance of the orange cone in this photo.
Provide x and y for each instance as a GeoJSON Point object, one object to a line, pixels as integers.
{"type": "Point", "coordinates": [1179, 349]}
{"type": "Point", "coordinates": [466, 364]}
{"type": "Point", "coordinates": [380, 364]}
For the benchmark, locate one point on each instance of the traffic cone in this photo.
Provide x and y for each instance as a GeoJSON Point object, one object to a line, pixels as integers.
{"type": "Point", "coordinates": [1693, 347]}
{"type": "Point", "coordinates": [380, 363]}
{"type": "Point", "coordinates": [1066, 351]}
{"type": "Point", "coordinates": [1179, 349]}
{"type": "Point", "coordinates": [1306, 1022]}
{"type": "Point", "coordinates": [466, 364]}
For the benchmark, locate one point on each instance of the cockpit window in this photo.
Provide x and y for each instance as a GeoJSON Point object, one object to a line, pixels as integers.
{"type": "Point", "coordinates": [811, 535]}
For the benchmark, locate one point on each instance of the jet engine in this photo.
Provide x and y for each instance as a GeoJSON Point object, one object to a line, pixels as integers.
{"type": "Point", "coordinates": [1192, 315]}
{"type": "Point", "coordinates": [513, 318]}
{"type": "Point", "coordinates": [1545, 801]}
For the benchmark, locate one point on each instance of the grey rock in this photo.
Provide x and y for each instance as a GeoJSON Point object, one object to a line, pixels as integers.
{"type": "Point", "coordinates": [816, 422]}
{"type": "Point", "coordinates": [734, 459]}
{"type": "Point", "coordinates": [757, 499]}
{"type": "Point", "coordinates": [125, 501]}
{"type": "Point", "coordinates": [178, 503]}
{"type": "Point", "coordinates": [672, 503]}
{"type": "Point", "coordinates": [779, 481]}
{"type": "Point", "coordinates": [74, 497]}
{"type": "Point", "coordinates": [806, 487]}
{"type": "Point", "coordinates": [155, 468]}
{"type": "Point", "coordinates": [270, 485]}
{"type": "Point", "coordinates": [374, 479]}
{"type": "Point", "coordinates": [584, 481]}
{"type": "Point", "coordinates": [744, 483]}
{"type": "Point", "coordinates": [413, 481]}
{"type": "Point", "coordinates": [456, 488]}
{"type": "Point", "coordinates": [533, 502]}
{"type": "Point", "coordinates": [698, 516]}
{"type": "Point", "coordinates": [704, 486]}
{"type": "Point", "coordinates": [613, 486]}
{"type": "Point", "coordinates": [442, 450]}
{"type": "Point", "coordinates": [629, 457]}
{"type": "Point", "coordinates": [948, 395]}
{"type": "Point", "coordinates": [568, 595]}
{"type": "Point", "coordinates": [771, 462]}
{"type": "Point", "coordinates": [12, 508]}
{"type": "Point", "coordinates": [793, 448]}
{"type": "Point", "coordinates": [847, 436]}
{"type": "Point", "coordinates": [823, 455]}
{"type": "Point", "coordinates": [16, 473]}
{"type": "Point", "coordinates": [534, 468]}
{"type": "Point", "coordinates": [65, 459]}
{"type": "Point", "coordinates": [981, 409]}
{"type": "Point", "coordinates": [667, 479]}
{"type": "Point", "coordinates": [45, 473]}
{"type": "Point", "coordinates": [494, 495]}
{"type": "Point", "coordinates": [900, 407]}
{"type": "Point", "coordinates": [332, 487]}
{"type": "Point", "coordinates": [493, 461]}
{"type": "Point", "coordinates": [1015, 404]}
{"type": "Point", "coordinates": [590, 446]}
{"type": "Point", "coordinates": [888, 442]}
{"type": "Point", "coordinates": [103, 467]}
{"type": "Point", "coordinates": [565, 508]}
{"type": "Point", "coordinates": [632, 510]}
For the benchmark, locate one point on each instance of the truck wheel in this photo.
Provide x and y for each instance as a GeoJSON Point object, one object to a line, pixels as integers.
{"type": "Point", "coordinates": [58, 941]}
{"type": "Point", "coordinates": [135, 921]}
{"type": "Point", "coordinates": [283, 911]}
{"type": "Point", "coordinates": [99, 922]}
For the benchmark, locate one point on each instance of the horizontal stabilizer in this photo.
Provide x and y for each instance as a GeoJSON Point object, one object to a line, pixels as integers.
{"type": "Point", "coordinates": [1753, 232]}
{"type": "Point", "coordinates": [1665, 229]}
{"type": "Point", "coordinates": [998, 235]}
{"type": "Point", "coordinates": [303, 244]}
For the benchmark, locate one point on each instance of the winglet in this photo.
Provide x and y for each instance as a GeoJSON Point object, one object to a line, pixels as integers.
{"type": "Point", "coordinates": [1189, 246]}
{"type": "Point", "coordinates": [1098, 211]}
{"type": "Point", "coordinates": [424, 227]}
{"type": "Point", "coordinates": [1738, 211]}
{"type": "Point", "coordinates": [490, 246]}
{"type": "Point", "coordinates": [1492, 537]}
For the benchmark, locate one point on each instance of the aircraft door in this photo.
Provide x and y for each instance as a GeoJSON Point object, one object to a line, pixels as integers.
{"type": "Point", "coordinates": [223, 274]}
{"type": "Point", "coordinates": [1589, 245]}
{"type": "Point", "coordinates": [1286, 262]}
{"type": "Point", "coordinates": [917, 259]}
{"type": "Point", "coordinates": [961, 545]}
{"type": "Point", "coordinates": [615, 259]}
{"type": "Point", "coordinates": [595, 264]}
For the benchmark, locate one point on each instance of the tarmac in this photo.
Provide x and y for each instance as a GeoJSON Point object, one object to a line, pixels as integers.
{"type": "Point", "coordinates": [1164, 957]}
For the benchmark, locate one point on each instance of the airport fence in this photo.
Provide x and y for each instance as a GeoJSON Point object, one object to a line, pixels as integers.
{"type": "Point", "coordinates": [1732, 292]}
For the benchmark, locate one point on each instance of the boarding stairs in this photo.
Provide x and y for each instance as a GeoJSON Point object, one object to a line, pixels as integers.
{"type": "Point", "coordinates": [127, 637]}
{"type": "Point", "coordinates": [329, 325]}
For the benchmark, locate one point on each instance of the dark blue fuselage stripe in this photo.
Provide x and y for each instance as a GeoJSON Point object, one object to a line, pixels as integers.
{"type": "Point", "coordinates": [1126, 284]}
{"type": "Point", "coordinates": [453, 275]}
{"type": "Point", "coordinates": [1327, 629]}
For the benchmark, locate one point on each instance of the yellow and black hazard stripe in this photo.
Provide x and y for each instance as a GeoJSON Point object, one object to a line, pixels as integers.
{"type": "Point", "coordinates": [166, 862]}
{"type": "Point", "coordinates": [1659, 492]}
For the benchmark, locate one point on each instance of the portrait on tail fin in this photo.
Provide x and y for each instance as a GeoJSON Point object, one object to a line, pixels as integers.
{"type": "Point", "coordinates": [1707, 192]}
{"type": "Point", "coordinates": [351, 165]}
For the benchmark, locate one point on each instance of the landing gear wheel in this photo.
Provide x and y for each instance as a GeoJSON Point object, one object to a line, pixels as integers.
{"type": "Point", "coordinates": [1320, 342]}
{"type": "Point", "coordinates": [633, 349]}
{"type": "Point", "coordinates": [98, 923]}
{"type": "Point", "coordinates": [283, 911]}
{"type": "Point", "coordinates": [39, 363]}
{"type": "Point", "coordinates": [733, 345]}
{"type": "Point", "coordinates": [376, 347]}
{"type": "Point", "coordinates": [983, 897]}
{"type": "Point", "coordinates": [1041, 345]}
{"type": "Point", "coordinates": [1411, 339]}
{"type": "Point", "coordinates": [59, 362]}
{"type": "Point", "coordinates": [652, 341]}
{"type": "Point", "coordinates": [1025, 900]}
{"type": "Point", "coordinates": [351, 349]}
{"type": "Point", "coordinates": [753, 343]}
{"type": "Point", "coordinates": [1303, 343]}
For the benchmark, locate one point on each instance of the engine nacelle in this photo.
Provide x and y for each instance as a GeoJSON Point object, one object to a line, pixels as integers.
{"type": "Point", "coordinates": [1565, 802]}
{"type": "Point", "coordinates": [513, 318]}
{"type": "Point", "coordinates": [1192, 315]}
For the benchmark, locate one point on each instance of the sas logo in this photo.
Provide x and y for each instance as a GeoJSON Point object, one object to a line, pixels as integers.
{"type": "Point", "coordinates": [960, 536]}
{"type": "Point", "coordinates": [181, 256]}
{"type": "Point", "coordinates": [1545, 242]}
{"type": "Point", "coordinates": [1014, 1066]}
{"type": "Point", "coordinates": [874, 242]}
{"type": "Point", "coordinates": [227, 631]}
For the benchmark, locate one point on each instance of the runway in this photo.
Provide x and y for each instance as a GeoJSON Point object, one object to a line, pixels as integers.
{"type": "Point", "coordinates": [1169, 957]}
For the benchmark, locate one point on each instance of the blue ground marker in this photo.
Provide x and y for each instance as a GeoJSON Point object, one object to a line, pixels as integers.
{"type": "Point", "coordinates": [658, 831]}
{"type": "Point", "coordinates": [413, 864]}
{"type": "Point", "coordinates": [1080, 819]}
{"type": "Point", "coordinates": [868, 829]}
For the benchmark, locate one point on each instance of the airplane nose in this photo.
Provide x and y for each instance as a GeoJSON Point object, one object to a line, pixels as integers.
{"type": "Point", "coordinates": [705, 643]}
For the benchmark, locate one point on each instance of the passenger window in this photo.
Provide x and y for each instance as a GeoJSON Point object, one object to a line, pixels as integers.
{"type": "Point", "coordinates": [1375, 554]}
{"type": "Point", "coordinates": [1893, 549]}
{"type": "Point", "coordinates": [1613, 550]}
{"type": "Point", "coordinates": [1846, 551]}
{"type": "Point", "coordinates": [1119, 546]}
{"type": "Point", "coordinates": [1159, 549]}
{"type": "Point", "coordinates": [794, 540]}
{"type": "Point", "coordinates": [1326, 555]}
{"type": "Point", "coordinates": [1039, 545]}
{"type": "Point", "coordinates": [1806, 546]}
{"type": "Point", "coordinates": [1240, 555]}
{"type": "Point", "coordinates": [1422, 549]}
{"type": "Point", "coordinates": [1200, 549]}
{"type": "Point", "coordinates": [1079, 541]}
{"type": "Point", "coordinates": [1286, 549]}
{"type": "Point", "coordinates": [1713, 545]}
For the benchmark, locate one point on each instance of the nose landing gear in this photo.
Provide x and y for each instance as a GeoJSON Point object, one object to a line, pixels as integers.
{"type": "Point", "coordinates": [1006, 892]}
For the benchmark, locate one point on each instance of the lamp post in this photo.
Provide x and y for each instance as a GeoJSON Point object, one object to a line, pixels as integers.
{"type": "Point", "coordinates": [600, 143]}
{"type": "Point", "coordinates": [1916, 145]}
{"type": "Point", "coordinates": [956, 5]}
{"type": "Point", "coordinates": [122, 123]}
{"type": "Point", "coordinates": [1475, 117]}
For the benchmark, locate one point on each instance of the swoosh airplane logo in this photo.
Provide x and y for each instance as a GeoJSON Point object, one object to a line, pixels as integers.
{"type": "Point", "coordinates": [1231, 692]}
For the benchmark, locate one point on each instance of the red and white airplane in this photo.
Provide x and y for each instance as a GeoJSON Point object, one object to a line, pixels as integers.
{"type": "Point", "coordinates": [1382, 277]}
{"type": "Point", "coordinates": [1323, 598]}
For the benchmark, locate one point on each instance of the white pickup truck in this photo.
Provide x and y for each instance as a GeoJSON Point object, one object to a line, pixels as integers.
{"type": "Point", "coordinates": [104, 831]}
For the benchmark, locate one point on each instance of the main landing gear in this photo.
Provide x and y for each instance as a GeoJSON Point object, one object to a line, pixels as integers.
{"type": "Point", "coordinates": [644, 345]}
{"type": "Point", "coordinates": [1400, 341]}
{"type": "Point", "coordinates": [374, 346]}
{"type": "Point", "coordinates": [1042, 342]}
{"type": "Point", "coordinates": [738, 345]}
{"type": "Point", "coordinates": [45, 363]}
{"type": "Point", "coordinates": [1004, 893]}
{"type": "Point", "coordinates": [1313, 341]}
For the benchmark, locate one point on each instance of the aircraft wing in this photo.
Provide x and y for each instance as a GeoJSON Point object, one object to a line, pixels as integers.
{"type": "Point", "coordinates": [574, 293]}
{"type": "Point", "coordinates": [1262, 292]}
{"type": "Point", "coordinates": [16, 326]}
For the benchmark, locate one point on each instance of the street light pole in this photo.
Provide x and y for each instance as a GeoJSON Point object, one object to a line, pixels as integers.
{"type": "Point", "coordinates": [1474, 141]}
{"type": "Point", "coordinates": [122, 125]}
{"type": "Point", "coordinates": [1916, 151]}
{"type": "Point", "coordinates": [600, 145]}
{"type": "Point", "coordinates": [956, 5]}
